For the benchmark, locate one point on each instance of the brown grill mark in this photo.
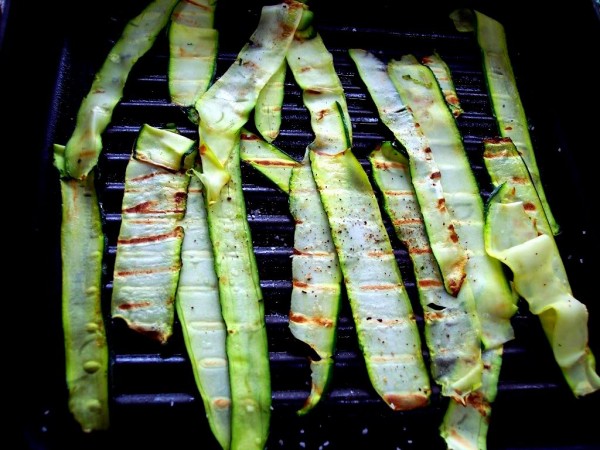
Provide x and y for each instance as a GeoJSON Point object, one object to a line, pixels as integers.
{"type": "Point", "coordinates": [495, 154]}
{"type": "Point", "coordinates": [388, 165]}
{"type": "Point", "coordinates": [453, 235]}
{"type": "Point", "coordinates": [433, 315]}
{"type": "Point", "coordinates": [407, 221]}
{"type": "Point", "coordinates": [274, 162]}
{"type": "Point", "coordinates": [519, 180]}
{"type": "Point", "coordinates": [406, 402]}
{"type": "Point", "coordinates": [397, 193]}
{"type": "Point", "coordinates": [441, 204]}
{"type": "Point", "coordinates": [137, 305]}
{"type": "Point", "coordinates": [379, 287]}
{"type": "Point", "coordinates": [176, 233]}
{"type": "Point", "coordinates": [127, 273]}
{"type": "Point", "coordinates": [247, 137]}
{"type": "Point", "coordinates": [302, 253]}
{"type": "Point", "coordinates": [321, 321]}
{"type": "Point", "coordinates": [430, 283]}
{"type": "Point", "coordinates": [375, 254]}
{"type": "Point", "coordinates": [420, 250]}
{"type": "Point", "coordinates": [146, 208]}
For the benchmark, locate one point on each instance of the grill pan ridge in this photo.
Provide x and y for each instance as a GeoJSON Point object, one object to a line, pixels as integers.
{"type": "Point", "coordinates": [154, 400]}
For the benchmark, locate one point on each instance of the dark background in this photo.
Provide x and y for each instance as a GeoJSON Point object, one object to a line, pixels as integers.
{"type": "Point", "coordinates": [554, 48]}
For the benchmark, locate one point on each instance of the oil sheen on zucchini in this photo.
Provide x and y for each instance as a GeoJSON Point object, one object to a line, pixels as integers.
{"type": "Point", "coordinates": [148, 255]}
{"type": "Point", "coordinates": [82, 248]}
{"type": "Point", "coordinates": [383, 316]}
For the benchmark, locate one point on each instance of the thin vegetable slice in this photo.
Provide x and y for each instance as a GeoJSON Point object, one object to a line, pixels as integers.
{"type": "Point", "coordinates": [524, 243]}
{"type": "Point", "coordinates": [267, 113]}
{"type": "Point", "coordinates": [193, 46]}
{"type": "Point", "coordinates": [148, 259]}
{"type": "Point", "coordinates": [396, 116]}
{"type": "Point", "coordinates": [199, 311]}
{"type": "Point", "coordinates": [451, 327]}
{"type": "Point", "coordinates": [494, 299]}
{"type": "Point", "coordinates": [82, 249]}
{"type": "Point", "coordinates": [225, 108]}
{"type": "Point", "coordinates": [442, 74]}
{"type": "Point", "coordinates": [316, 275]}
{"type": "Point", "coordinates": [267, 159]}
{"type": "Point", "coordinates": [94, 115]}
{"type": "Point", "coordinates": [386, 326]}
{"type": "Point", "coordinates": [465, 425]}
{"type": "Point", "coordinates": [243, 311]}
{"type": "Point", "coordinates": [504, 93]}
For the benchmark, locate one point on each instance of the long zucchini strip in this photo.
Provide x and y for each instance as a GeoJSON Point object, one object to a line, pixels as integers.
{"type": "Point", "coordinates": [383, 316]}
{"type": "Point", "coordinates": [192, 62]}
{"type": "Point", "coordinates": [267, 159]}
{"type": "Point", "coordinates": [82, 249]}
{"type": "Point", "coordinates": [316, 275]}
{"type": "Point", "coordinates": [199, 311]}
{"type": "Point", "coordinates": [504, 93]}
{"type": "Point", "coordinates": [243, 311]}
{"type": "Point", "coordinates": [451, 326]}
{"type": "Point", "coordinates": [439, 222]}
{"type": "Point", "coordinates": [148, 259]}
{"type": "Point", "coordinates": [529, 249]}
{"type": "Point", "coordinates": [267, 112]}
{"type": "Point", "coordinates": [442, 74]}
{"type": "Point", "coordinates": [227, 104]}
{"type": "Point", "coordinates": [85, 145]}
{"type": "Point", "coordinates": [465, 425]}
{"type": "Point", "coordinates": [193, 44]}
{"type": "Point", "coordinates": [494, 299]}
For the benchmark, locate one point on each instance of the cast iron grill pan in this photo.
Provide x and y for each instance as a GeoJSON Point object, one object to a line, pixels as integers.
{"type": "Point", "coordinates": [154, 400]}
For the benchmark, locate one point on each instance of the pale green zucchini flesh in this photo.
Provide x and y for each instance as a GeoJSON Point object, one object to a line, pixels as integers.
{"type": "Point", "coordinates": [465, 424]}
{"type": "Point", "coordinates": [494, 299]}
{"type": "Point", "coordinates": [193, 44]}
{"type": "Point", "coordinates": [267, 159]}
{"type": "Point", "coordinates": [451, 326]}
{"type": "Point", "coordinates": [225, 108]}
{"type": "Point", "coordinates": [504, 93]}
{"type": "Point", "coordinates": [242, 308]}
{"type": "Point", "coordinates": [85, 144]}
{"type": "Point", "coordinates": [386, 326]}
{"type": "Point", "coordinates": [316, 275]}
{"type": "Point", "coordinates": [425, 173]}
{"type": "Point", "coordinates": [316, 283]}
{"type": "Point", "coordinates": [442, 74]}
{"type": "Point", "coordinates": [82, 250]}
{"type": "Point", "coordinates": [199, 311]}
{"type": "Point", "coordinates": [267, 112]}
{"type": "Point", "coordinates": [148, 258]}
{"type": "Point", "coordinates": [539, 276]}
